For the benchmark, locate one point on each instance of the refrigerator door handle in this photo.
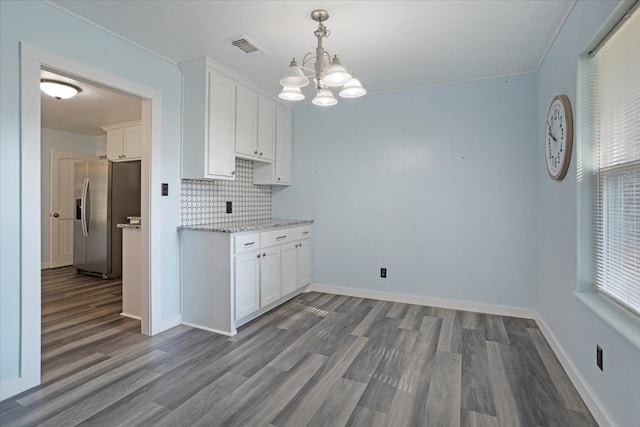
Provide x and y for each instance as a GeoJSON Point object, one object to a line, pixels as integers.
{"type": "Point", "coordinates": [85, 189]}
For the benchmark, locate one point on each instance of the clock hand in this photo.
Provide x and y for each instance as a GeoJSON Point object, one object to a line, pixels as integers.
{"type": "Point", "coordinates": [551, 132]}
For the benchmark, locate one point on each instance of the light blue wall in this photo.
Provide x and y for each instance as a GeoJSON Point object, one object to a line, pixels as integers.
{"type": "Point", "coordinates": [576, 327]}
{"type": "Point", "coordinates": [438, 185]}
{"type": "Point", "coordinates": [67, 142]}
{"type": "Point", "coordinates": [47, 28]}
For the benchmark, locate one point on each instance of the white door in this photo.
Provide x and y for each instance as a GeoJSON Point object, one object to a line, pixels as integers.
{"type": "Point", "coordinates": [62, 207]}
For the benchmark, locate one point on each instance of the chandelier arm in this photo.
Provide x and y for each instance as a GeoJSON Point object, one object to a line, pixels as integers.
{"type": "Point", "coordinates": [307, 57]}
{"type": "Point", "coordinates": [325, 53]}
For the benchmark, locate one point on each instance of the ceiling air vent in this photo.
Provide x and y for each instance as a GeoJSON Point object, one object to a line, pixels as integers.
{"type": "Point", "coordinates": [245, 44]}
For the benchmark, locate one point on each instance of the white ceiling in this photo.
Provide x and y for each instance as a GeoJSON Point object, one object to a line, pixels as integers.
{"type": "Point", "coordinates": [391, 45]}
{"type": "Point", "coordinates": [90, 109]}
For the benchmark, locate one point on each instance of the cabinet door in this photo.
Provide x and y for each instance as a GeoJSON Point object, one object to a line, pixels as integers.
{"type": "Point", "coordinates": [221, 126]}
{"type": "Point", "coordinates": [247, 284]}
{"type": "Point", "coordinates": [115, 145]}
{"type": "Point", "coordinates": [246, 122]}
{"type": "Point", "coordinates": [266, 129]}
{"type": "Point", "coordinates": [282, 170]}
{"type": "Point", "coordinates": [289, 272]}
{"type": "Point", "coordinates": [304, 263]}
{"type": "Point", "coordinates": [269, 275]}
{"type": "Point", "coordinates": [132, 143]}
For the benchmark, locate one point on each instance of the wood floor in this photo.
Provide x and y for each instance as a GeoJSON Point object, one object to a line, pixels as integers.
{"type": "Point", "coordinates": [319, 359]}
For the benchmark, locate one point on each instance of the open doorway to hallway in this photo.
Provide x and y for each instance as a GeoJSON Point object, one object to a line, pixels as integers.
{"type": "Point", "coordinates": [81, 257]}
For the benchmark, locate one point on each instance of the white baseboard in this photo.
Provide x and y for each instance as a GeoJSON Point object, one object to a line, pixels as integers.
{"type": "Point", "coordinates": [130, 316]}
{"type": "Point", "coordinates": [216, 331]}
{"type": "Point", "coordinates": [589, 398]}
{"type": "Point", "coordinates": [44, 265]}
{"type": "Point", "coordinates": [10, 388]}
{"type": "Point", "coordinates": [502, 310]}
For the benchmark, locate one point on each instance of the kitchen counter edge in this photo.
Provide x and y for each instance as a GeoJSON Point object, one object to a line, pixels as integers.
{"type": "Point", "coordinates": [129, 226]}
{"type": "Point", "coordinates": [249, 226]}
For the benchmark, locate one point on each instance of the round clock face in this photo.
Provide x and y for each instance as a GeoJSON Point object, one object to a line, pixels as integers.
{"type": "Point", "coordinates": [559, 137]}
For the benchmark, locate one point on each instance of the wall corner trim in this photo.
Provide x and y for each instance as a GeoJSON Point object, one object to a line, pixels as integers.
{"type": "Point", "coordinates": [169, 323]}
{"type": "Point", "coordinates": [586, 393]}
{"type": "Point", "coordinates": [11, 387]}
{"type": "Point", "coordinates": [502, 310]}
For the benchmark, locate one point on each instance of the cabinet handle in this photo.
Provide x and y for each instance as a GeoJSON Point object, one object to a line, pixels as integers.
{"type": "Point", "coordinates": [305, 232]}
{"type": "Point", "coordinates": [255, 152]}
{"type": "Point", "coordinates": [258, 256]}
{"type": "Point", "coordinates": [261, 153]}
{"type": "Point", "coordinates": [264, 254]}
{"type": "Point", "coordinates": [249, 244]}
{"type": "Point", "coordinates": [278, 178]}
{"type": "Point", "coordinates": [233, 172]}
{"type": "Point", "coordinates": [281, 237]}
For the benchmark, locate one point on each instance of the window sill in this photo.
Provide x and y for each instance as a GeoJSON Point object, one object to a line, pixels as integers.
{"type": "Point", "coordinates": [624, 323]}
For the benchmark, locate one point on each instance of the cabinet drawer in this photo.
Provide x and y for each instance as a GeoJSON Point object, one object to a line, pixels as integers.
{"type": "Point", "coordinates": [302, 232]}
{"type": "Point", "coordinates": [276, 237]}
{"type": "Point", "coordinates": [247, 242]}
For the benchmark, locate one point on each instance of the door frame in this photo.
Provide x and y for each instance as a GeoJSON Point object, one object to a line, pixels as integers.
{"type": "Point", "coordinates": [55, 156]}
{"type": "Point", "coordinates": [32, 59]}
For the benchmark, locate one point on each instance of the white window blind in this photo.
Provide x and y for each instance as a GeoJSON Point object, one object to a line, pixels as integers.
{"type": "Point", "coordinates": [615, 74]}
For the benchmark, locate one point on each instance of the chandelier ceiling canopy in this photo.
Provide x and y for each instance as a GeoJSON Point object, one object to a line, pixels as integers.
{"type": "Point", "coordinates": [327, 72]}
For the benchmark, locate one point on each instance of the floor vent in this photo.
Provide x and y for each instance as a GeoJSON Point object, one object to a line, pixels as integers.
{"type": "Point", "coordinates": [245, 44]}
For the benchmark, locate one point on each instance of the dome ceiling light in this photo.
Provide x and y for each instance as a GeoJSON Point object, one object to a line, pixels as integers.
{"type": "Point", "coordinates": [58, 90]}
{"type": "Point", "coordinates": [327, 72]}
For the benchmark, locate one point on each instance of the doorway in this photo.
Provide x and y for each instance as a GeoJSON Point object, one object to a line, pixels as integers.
{"type": "Point", "coordinates": [32, 61]}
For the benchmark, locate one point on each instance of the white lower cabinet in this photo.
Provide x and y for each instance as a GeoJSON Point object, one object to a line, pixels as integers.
{"type": "Point", "coordinates": [229, 279]}
{"type": "Point", "coordinates": [304, 263]}
{"type": "Point", "coordinates": [269, 276]}
{"type": "Point", "coordinates": [289, 274]}
{"type": "Point", "coordinates": [296, 265]}
{"type": "Point", "coordinates": [247, 283]}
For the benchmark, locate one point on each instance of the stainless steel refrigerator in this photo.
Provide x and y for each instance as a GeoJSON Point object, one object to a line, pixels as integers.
{"type": "Point", "coordinates": [106, 193]}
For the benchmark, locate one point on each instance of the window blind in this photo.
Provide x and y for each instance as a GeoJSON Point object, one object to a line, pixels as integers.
{"type": "Point", "coordinates": [615, 74]}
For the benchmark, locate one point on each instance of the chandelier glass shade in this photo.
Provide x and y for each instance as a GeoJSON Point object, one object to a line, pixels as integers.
{"type": "Point", "coordinates": [352, 89]}
{"type": "Point", "coordinates": [291, 93]}
{"type": "Point", "coordinates": [327, 72]}
{"type": "Point", "coordinates": [58, 90]}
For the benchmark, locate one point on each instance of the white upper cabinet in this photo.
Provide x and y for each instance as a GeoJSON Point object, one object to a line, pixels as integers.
{"type": "Point", "coordinates": [278, 173]}
{"type": "Point", "coordinates": [209, 121]}
{"type": "Point", "coordinates": [266, 129]}
{"type": "Point", "coordinates": [124, 141]}
{"type": "Point", "coordinates": [283, 146]}
{"type": "Point", "coordinates": [224, 117]}
{"type": "Point", "coordinates": [255, 126]}
{"type": "Point", "coordinates": [246, 123]}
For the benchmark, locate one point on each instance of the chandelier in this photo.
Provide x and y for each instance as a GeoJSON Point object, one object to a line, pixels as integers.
{"type": "Point", "coordinates": [327, 72]}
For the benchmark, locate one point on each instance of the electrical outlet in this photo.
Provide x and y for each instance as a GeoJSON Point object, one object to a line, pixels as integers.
{"type": "Point", "coordinates": [229, 207]}
{"type": "Point", "coordinates": [383, 273]}
{"type": "Point", "coordinates": [599, 357]}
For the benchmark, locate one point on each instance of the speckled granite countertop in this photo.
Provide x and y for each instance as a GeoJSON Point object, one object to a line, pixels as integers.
{"type": "Point", "coordinates": [239, 227]}
{"type": "Point", "coordinates": [129, 226]}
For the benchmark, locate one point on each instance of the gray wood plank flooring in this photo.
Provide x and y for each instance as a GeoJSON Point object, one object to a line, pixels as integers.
{"type": "Point", "coordinates": [317, 360]}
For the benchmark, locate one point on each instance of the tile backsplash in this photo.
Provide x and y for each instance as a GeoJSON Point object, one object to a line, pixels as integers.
{"type": "Point", "coordinates": [205, 202]}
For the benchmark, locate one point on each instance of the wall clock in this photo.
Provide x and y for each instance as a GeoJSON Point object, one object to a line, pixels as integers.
{"type": "Point", "coordinates": [559, 137]}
